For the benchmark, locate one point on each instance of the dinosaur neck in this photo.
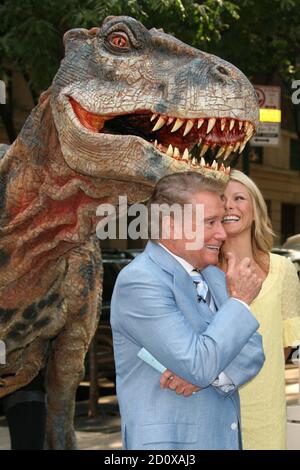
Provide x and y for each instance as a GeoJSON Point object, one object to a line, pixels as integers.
{"type": "Point", "coordinates": [47, 208]}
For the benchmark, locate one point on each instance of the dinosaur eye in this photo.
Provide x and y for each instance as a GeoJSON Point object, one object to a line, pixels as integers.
{"type": "Point", "coordinates": [119, 40]}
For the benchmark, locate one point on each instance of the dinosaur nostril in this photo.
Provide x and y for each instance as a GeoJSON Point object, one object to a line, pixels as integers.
{"type": "Point", "coordinates": [222, 70]}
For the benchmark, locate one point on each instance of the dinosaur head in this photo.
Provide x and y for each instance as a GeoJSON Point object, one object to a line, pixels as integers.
{"type": "Point", "coordinates": [134, 104]}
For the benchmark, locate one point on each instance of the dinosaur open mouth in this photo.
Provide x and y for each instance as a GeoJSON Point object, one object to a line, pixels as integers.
{"type": "Point", "coordinates": [182, 139]}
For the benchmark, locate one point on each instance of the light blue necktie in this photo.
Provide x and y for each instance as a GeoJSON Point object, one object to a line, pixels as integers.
{"type": "Point", "coordinates": [202, 289]}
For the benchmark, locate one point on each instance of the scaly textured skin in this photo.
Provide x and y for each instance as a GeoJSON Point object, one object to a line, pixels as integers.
{"type": "Point", "coordinates": [89, 140]}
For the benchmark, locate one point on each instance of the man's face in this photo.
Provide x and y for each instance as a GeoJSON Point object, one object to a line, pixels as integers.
{"type": "Point", "coordinates": [213, 233]}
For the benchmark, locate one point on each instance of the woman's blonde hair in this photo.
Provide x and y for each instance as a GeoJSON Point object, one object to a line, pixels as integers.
{"type": "Point", "coordinates": [262, 234]}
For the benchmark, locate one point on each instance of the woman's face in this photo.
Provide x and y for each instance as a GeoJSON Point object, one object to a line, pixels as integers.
{"type": "Point", "coordinates": [239, 213]}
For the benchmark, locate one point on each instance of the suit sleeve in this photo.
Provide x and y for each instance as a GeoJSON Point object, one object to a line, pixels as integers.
{"type": "Point", "coordinates": [246, 364]}
{"type": "Point", "coordinates": [145, 311]}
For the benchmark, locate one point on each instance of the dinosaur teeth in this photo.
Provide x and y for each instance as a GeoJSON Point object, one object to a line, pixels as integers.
{"type": "Point", "coordinates": [210, 125]}
{"type": "Point", "coordinates": [249, 130]}
{"type": "Point", "coordinates": [236, 147]}
{"type": "Point", "coordinates": [188, 127]}
{"type": "Point", "coordinates": [204, 150]}
{"type": "Point", "coordinates": [176, 153]}
{"type": "Point", "coordinates": [242, 147]}
{"type": "Point", "coordinates": [223, 124]}
{"type": "Point", "coordinates": [246, 127]}
{"type": "Point", "coordinates": [160, 123]}
{"type": "Point", "coordinates": [221, 151]}
{"type": "Point", "coordinates": [200, 122]}
{"type": "Point", "coordinates": [231, 124]}
{"type": "Point", "coordinates": [225, 150]}
{"type": "Point", "coordinates": [228, 151]}
{"type": "Point", "coordinates": [170, 151]}
{"type": "Point", "coordinates": [185, 155]}
{"type": "Point", "coordinates": [177, 125]}
{"type": "Point", "coordinates": [246, 138]}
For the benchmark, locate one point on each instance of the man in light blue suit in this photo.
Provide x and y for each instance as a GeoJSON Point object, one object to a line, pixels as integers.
{"type": "Point", "coordinates": [207, 341]}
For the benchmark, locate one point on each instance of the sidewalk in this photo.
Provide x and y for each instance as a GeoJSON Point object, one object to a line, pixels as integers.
{"type": "Point", "coordinates": [98, 433]}
{"type": "Point", "coordinates": [103, 432]}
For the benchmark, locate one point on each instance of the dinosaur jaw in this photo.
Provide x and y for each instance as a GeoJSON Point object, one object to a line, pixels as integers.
{"type": "Point", "coordinates": [183, 139]}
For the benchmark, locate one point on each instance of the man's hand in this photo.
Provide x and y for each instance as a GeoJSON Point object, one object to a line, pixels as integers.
{"type": "Point", "coordinates": [179, 385]}
{"type": "Point", "coordinates": [242, 281]}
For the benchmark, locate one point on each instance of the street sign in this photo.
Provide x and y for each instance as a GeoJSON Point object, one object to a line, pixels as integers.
{"type": "Point", "coordinates": [268, 132]}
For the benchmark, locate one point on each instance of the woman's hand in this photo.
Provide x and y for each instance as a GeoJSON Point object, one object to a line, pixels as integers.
{"type": "Point", "coordinates": [179, 385]}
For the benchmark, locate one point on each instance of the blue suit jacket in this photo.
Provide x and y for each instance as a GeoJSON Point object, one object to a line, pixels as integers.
{"type": "Point", "coordinates": [155, 305]}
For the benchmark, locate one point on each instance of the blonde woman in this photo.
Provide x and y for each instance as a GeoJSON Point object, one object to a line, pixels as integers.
{"type": "Point", "coordinates": [277, 309]}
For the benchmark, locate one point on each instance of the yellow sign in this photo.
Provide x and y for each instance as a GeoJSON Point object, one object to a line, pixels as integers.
{"type": "Point", "coordinates": [269, 115]}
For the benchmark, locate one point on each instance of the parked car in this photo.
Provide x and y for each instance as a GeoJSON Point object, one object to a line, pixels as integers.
{"type": "Point", "coordinates": [292, 254]}
{"type": "Point", "coordinates": [293, 242]}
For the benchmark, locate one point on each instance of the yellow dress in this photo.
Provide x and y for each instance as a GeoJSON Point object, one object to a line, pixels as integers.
{"type": "Point", "coordinates": [263, 403]}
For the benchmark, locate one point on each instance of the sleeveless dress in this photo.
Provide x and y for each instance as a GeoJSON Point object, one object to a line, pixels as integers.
{"type": "Point", "coordinates": [263, 402]}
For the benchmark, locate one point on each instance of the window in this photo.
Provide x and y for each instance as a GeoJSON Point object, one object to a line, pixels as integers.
{"type": "Point", "coordinates": [294, 154]}
{"type": "Point", "coordinates": [256, 155]}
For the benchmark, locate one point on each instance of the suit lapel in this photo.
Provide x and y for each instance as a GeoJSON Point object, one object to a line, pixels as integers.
{"type": "Point", "coordinates": [187, 299]}
{"type": "Point", "coordinates": [184, 289]}
{"type": "Point", "coordinates": [215, 281]}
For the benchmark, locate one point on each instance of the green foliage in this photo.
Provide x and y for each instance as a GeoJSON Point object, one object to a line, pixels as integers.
{"type": "Point", "coordinates": [266, 39]}
{"type": "Point", "coordinates": [31, 31]}
{"type": "Point", "coordinates": [259, 36]}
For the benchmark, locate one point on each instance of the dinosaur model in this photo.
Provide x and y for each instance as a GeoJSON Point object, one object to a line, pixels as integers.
{"type": "Point", "coordinates": [127, 106]}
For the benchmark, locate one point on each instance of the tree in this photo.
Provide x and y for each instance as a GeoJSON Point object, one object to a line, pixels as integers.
{"type": "Point", "coordinates": [262, 37]}
{"type": "Point", "coordinates": [31, 31]}
{"type": "Point", "coordinates": [265, 44]}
